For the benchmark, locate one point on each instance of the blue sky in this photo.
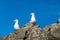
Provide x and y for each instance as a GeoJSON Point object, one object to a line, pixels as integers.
{"type": "Point", "coordinates": [46, 12]}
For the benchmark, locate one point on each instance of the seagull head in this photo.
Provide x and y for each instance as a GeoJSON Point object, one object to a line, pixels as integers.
{"type": "Point", "coordinates": [16, 20]}
{"type": "Point", "coordinates": [32, 14]}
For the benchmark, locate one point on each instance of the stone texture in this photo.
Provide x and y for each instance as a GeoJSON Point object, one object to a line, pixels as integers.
{"type": "Point", "coordinates": [34, 32]}
{"type": "Point", "coordinates": [53, 31]}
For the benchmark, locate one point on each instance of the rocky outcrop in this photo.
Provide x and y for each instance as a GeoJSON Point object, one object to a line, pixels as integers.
{"type": "Point", "coordinates": [34, 32]}
{"type": "Point", "coordinates": [53, 31]}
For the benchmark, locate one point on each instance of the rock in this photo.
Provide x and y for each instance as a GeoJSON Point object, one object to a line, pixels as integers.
{"type": "Point", "coordinates": [53, 31]}
{"type": "Point", "coordinates": [34, 32]}
{"type": "Point", "coordinates": [19, 34]}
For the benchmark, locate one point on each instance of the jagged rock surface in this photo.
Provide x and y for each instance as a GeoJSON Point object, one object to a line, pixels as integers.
{"type": "Point", "coordinates": [53, 31]}
{"type": "Point", "coordinates": [33, 32]}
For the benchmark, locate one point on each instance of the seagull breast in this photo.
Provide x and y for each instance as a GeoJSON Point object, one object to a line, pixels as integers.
{"type": "Point", "coordinates": [33, 20]}
{"type": "Point", "coordinates": [16, 25]}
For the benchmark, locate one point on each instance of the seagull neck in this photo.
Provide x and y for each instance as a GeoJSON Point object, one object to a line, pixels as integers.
{"type": "Point", "coordinates": [32, 15]}
{"type": "Point", "coordinates": [17, 22]}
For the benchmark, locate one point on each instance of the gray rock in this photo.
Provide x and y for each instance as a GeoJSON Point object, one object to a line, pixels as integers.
{"type": "Point", "coordinates": [53, 31]}
{"type": "Point", "coordinates": [33, 32]}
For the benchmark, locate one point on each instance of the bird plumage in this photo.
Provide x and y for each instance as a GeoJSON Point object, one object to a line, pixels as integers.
{"type": "Point", "coordinates": [33, 20]}
{"type": "Point", "coordinates": [16, 25]}
{"type": "Point", "coordinates": [58, 21]}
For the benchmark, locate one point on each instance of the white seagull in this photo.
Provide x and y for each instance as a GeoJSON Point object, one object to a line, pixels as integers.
{"type": "Point", "coordinates": [58, 20]}
{"type": "Point", "coordinates": [16, 25]}
{"type": "Point", "coordinates": [33, 20]}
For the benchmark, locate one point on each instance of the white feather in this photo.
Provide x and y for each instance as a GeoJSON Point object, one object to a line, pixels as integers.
{"type": "Point", "coordinates": [16, 25]}
{"type": "Point", "coordinates": [32, 18]}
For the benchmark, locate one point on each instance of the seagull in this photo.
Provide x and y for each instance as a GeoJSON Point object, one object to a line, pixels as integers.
{"type": "Point", "coordinates": [58, 20]}
{"type": "Point", "coordinates": [16, 25]}
{"type": "Point", "coordinates": [33, 20]}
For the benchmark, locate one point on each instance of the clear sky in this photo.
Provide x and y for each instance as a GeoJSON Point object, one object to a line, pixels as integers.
{"type": "Point", "coordinates": [46, 12]}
